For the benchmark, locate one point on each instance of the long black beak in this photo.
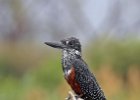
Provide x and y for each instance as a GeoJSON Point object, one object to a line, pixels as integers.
{"type": "Point", "coordinates": [55, 45]}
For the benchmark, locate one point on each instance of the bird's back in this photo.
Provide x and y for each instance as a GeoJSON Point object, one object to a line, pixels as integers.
{"type": "Point", "coordinates": [89, 87]}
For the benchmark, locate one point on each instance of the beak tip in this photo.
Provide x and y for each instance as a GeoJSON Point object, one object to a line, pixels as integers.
{"type": "Point", "coordinates": [45, 42]}
{"type": "Point", "coordinates": [54, 45]}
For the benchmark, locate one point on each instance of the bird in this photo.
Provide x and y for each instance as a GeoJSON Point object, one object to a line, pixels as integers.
{"type": "Point", "coordinates": [76, 72]}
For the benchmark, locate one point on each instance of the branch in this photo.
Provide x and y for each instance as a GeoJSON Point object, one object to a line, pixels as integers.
{"type": "Point", "coordinates": [72, 96]}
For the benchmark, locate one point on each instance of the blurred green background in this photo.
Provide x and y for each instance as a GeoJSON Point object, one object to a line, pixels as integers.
{"type": "Point", "coordinates": [30, 70]}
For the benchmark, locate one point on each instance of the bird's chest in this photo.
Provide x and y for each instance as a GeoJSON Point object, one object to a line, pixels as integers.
{"type": "Point", "coordinates": [69, 71]}
{"type": "Point", "coordinates": [71, 79]}
{"type": "Point", "coordinates": [67, 61]}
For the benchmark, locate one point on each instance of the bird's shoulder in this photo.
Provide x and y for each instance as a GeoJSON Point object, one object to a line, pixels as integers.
{"type": "Point", "coordinates": [83, 74]}
{"type": "Point", "coordinates": [81, 66]}
{"type": "Point", "coordinates": [87, 80]}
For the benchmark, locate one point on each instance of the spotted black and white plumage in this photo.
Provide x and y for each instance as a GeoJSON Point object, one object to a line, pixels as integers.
{"type": "Point", "coordinates": [90, 88]}
{"type": "Point", "coordinates": [76, 71]}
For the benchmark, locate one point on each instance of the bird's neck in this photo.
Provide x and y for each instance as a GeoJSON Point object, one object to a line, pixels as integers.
{"type": "Point", "coordinates": [68, 57]}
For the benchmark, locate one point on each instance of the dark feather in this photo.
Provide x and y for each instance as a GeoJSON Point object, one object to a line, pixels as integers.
{"type": "Point", "coordinates": [87, 81]}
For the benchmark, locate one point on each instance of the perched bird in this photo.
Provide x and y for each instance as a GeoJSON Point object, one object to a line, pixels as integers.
{"type": "Point", "coordinates": [76, 71]}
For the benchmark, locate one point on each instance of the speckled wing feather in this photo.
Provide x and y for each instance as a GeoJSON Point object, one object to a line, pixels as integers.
{"type": "Point", "coordinates": [89, 86]}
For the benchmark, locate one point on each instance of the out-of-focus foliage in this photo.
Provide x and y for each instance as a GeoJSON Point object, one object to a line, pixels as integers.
{"type": "Point", "coordinates": [32, 72]}
{"type": "Point", "coordinates": [29, 70]}
{"type": "Point", "coordinates": [126, 52]}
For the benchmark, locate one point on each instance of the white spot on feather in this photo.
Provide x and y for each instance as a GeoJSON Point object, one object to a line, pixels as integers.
{"type": "Point", "coordinates": [65, 54]}
{"type": "Point", "coordinates": [77, 52]}
{"type": "Point", "coordinates": [69, 71]}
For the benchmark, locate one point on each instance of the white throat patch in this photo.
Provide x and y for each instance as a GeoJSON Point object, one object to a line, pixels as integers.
{"type": "Point", "coordinates": [66, 53]}
{"type": "Point", "coordinates": [77, 52]}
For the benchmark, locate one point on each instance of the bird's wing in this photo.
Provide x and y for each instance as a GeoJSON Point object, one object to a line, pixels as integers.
{"type": "Point", "coordinates": [87, 81]}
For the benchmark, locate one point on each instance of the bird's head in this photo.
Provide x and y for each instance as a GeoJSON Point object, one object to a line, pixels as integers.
{"type": "Point", "coordinates": [69, 43]}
